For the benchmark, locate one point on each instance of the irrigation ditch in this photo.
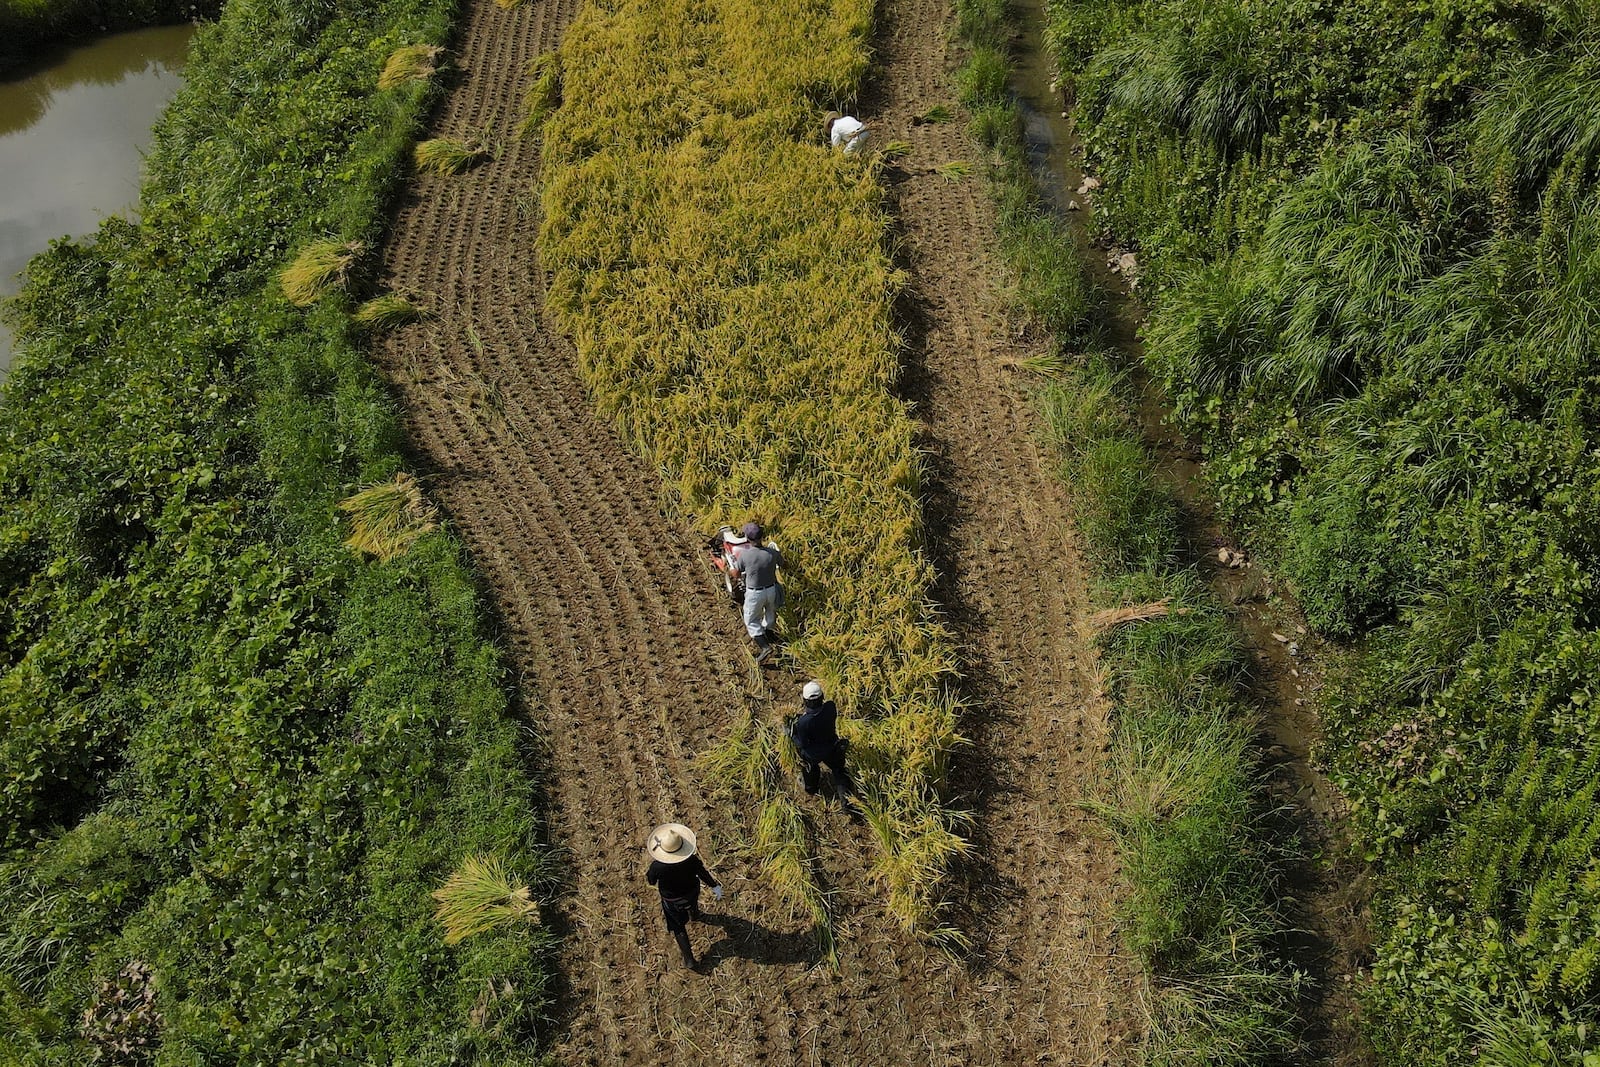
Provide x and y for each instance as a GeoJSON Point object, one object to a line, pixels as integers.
{"type": "Point", "coordinates": [1323, 887]}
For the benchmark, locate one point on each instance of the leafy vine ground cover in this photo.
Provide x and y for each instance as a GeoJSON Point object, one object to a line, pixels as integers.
{"type": "Point", "coordinates": [726, 283]}
{"type": "Point", "coordinates": [1369, 240]}
{"type": "Point", "coordinates": [234, 757]}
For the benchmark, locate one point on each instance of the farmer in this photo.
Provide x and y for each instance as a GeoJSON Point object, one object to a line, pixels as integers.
{"type": "Point", "coordinates": [676, 870]}
{"type": "Point", "coordinates": [815, 733]}
{"type": "Point", "coordinates": [849, 133]}
{"type": "Point", "coordinates": [759, 564]}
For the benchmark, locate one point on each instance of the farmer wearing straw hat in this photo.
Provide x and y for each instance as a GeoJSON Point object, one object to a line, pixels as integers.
{"type": "Point", "coordinates": [815, 733]}
{"type": "Point", "coordinates": [763, 595]}
{"type": "Point", "coordinates": [676, 870]}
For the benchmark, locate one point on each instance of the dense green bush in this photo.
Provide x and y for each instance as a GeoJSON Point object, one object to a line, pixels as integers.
{"type": "Point", "coordinates": [1379, 318]}
{"type": "Point", "coordinates": [230, 750]}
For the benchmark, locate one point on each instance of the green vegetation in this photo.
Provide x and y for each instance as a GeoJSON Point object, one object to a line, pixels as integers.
{"type": "Point", "coordinates": [725, 279]}
{"type": "Point", "coordinates": [1369, 234]}
{"type": "Point", "coordinates": [235, 756]}
{"type": "Point", "coordinates": [28, 25]}
{"type": "Point", "coordinates": [1183, 798]}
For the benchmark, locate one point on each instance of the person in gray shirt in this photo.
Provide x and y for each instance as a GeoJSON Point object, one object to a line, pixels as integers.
{"type": "Point", "coordinates": [763, 595]}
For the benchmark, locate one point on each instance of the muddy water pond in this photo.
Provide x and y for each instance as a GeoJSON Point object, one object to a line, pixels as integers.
{"type": "Point", "coordinates": [73, 130]}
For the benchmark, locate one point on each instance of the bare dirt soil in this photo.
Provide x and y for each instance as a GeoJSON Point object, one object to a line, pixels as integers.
{"type": "Point", "coordinates": [630, 664]}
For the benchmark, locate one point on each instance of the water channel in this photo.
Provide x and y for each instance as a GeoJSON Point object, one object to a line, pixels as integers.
{"type": "Point", "coordinates": [73, 130]}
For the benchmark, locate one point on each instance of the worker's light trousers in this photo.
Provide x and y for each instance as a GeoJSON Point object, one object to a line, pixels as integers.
{"type": "Point", "coordinates": [761, 609]}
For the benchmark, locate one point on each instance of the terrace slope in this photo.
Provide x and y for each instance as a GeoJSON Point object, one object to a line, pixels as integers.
{"type": "Point", "coordinates": [612, 627]}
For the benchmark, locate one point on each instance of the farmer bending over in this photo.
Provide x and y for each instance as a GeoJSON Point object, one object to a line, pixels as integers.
{"type": "Point", "coordinates": [815, 733]}
{"type": "Point", "coordinates": [763, 595]}
{"type": "Point", "coordinates": [849, 133]}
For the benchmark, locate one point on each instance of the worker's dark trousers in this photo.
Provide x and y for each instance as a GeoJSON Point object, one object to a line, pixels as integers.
{"type": "Point", "coordinates": [682, 938]}
{"type": "Point", "coordinates": [811, 772]}
{"type": "Point", "coordinates": [678, 912]}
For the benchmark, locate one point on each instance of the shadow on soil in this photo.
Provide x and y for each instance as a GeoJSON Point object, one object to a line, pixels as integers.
{"type": "Point", "coordinates": [743, 939]}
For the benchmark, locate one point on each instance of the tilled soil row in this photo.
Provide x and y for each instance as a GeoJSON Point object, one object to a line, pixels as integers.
{"type": "Point", "coordinates": [1014, 581]}
{"type": "Point", "coordinates": [631, 665]}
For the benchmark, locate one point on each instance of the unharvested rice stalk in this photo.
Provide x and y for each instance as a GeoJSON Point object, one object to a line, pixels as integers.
{"type": "Point", "coordinates": [479, 896]}
{"type": "Point", "coordinates": [729, 293]}
{"type": "Point", "coordinates": [448, 155]}
{"type": "Point", "coordinates": [320, 266]}
{"type": "Point", "coordinates": [387, 518]}
{"type": "Point", "coordinates": [409, 63]}
{"type": "Point", "coordinates": [387, 312]}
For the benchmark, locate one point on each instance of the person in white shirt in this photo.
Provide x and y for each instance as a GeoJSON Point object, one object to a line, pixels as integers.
{"type": "Point", "coordinates": [848, 133]}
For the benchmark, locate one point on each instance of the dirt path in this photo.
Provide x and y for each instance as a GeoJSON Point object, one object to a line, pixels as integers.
{"type": "Point", "coordinates": [1013, 579]}
{"type": "Point", "coordinates": [636, 666]}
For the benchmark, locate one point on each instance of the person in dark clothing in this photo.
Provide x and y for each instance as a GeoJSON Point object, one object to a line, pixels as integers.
{"type": "Point", "coordinates": [677, 871]}
{"type": "Point", "coordinates": [815, 733]}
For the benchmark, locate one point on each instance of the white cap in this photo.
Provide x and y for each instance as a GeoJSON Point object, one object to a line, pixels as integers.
{"type": "Point", "coordinates": [812, 691]}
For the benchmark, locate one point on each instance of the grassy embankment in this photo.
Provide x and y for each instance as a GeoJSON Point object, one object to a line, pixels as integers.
{"type": "Point", "coordinates": [1183, 798]}
{"type": "Point", "coordinates": [725, 280]}
{"type": "Point", "coordinates": [235, 757]}
{"type": "Point", "coordinates": [1371, 236]}
{"type": "Point", "coordinates": [27, 26]}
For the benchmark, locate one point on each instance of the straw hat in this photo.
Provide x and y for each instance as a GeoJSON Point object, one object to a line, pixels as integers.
{"type": "Point", "coordinates": [671, 842]}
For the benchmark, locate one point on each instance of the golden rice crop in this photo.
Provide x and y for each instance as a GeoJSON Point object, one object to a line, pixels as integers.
{"type": "Point", "coordinates": [387, 518]}
{"type": "Point", "coordinates": [449, 155]}
{"type": "Point", "coordinates": [412, 62]}
{"type": "Point", "coordinates": [320, 266]}
{"type": "Point", "coordinates": [479, 896]}
{"type": "Point", "coordinates": [726, 283]}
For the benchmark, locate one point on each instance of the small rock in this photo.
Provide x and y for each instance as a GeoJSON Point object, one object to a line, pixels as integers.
{"type": "Point", "coordinates": [1282, 640]}
{"type": "Point", "coordinates": [1127, 263]}
{"type": "Point", "coordinates": [1301, 630]}
{"type": "Point", "coordinates": [1299, 703]}
{"type": "Point", "coordinates": [1073, 205]}
{"type": "Point", "coordinates": [1225, 556]}
{"type": "Point", "coordinates": [1294, 648]}
{"type": "Point", "coordinates": [1066, 115]}
{"type": "Point", "coordinates": [1295, 671]}
{"type": "Point", "coordinates": [1091, 184]}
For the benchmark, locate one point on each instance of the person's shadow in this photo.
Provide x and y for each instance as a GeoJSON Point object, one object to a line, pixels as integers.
{"type": "Point", "coordinates": [744, 939]}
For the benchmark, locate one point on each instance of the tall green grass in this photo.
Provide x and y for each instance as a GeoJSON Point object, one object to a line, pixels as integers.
{"type": "Point", "coordinates": [1183, 797]}
{"type": "Point", "coordinates": [1379, 320]}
